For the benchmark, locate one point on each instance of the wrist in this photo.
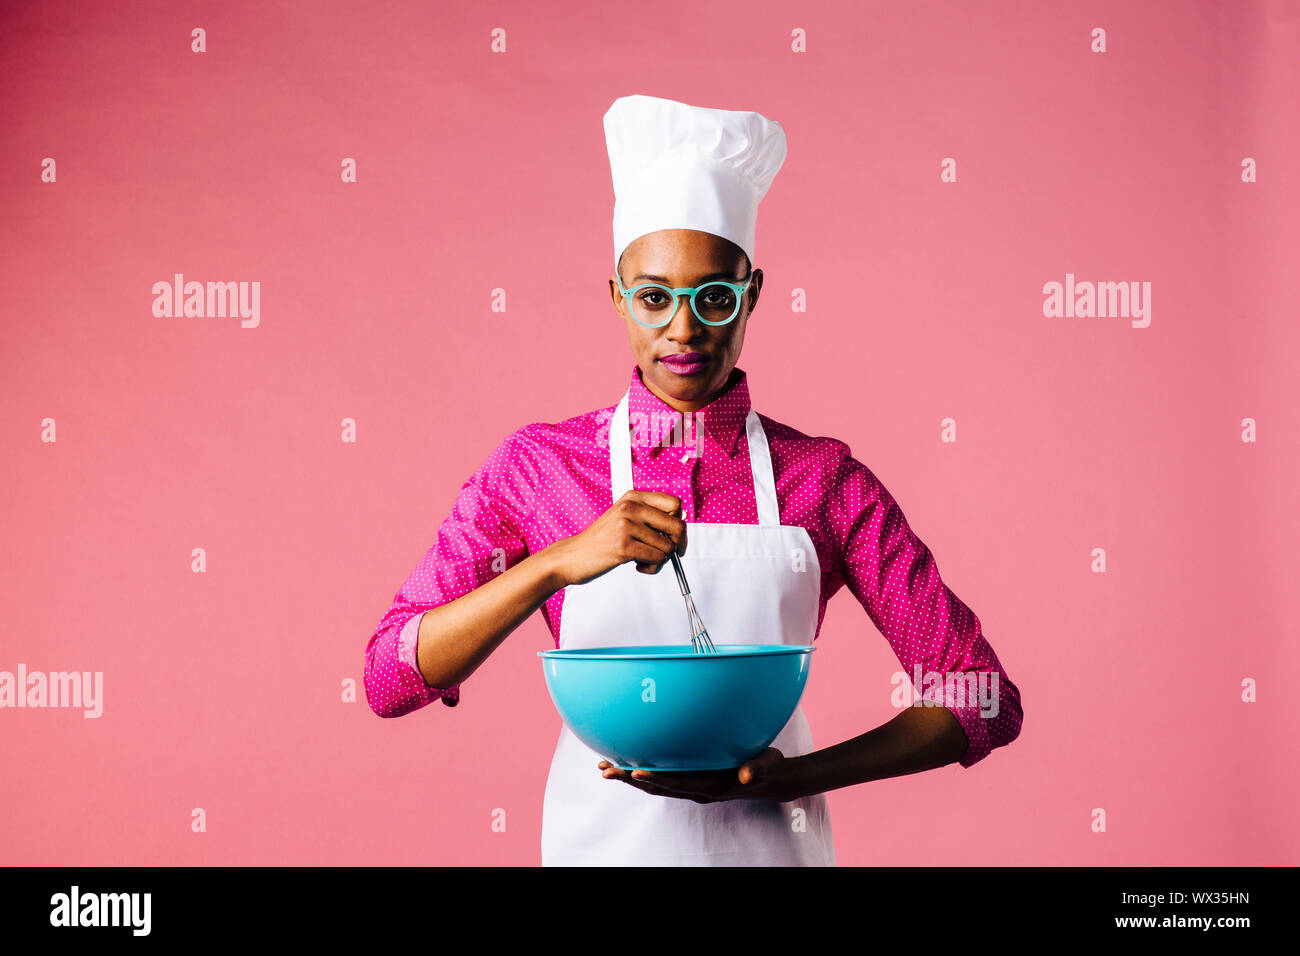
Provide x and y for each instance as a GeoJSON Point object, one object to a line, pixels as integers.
{"type": "Point", "coordinates": [797, 777]}
{"type": "Point", "coordinates": [553, 569]}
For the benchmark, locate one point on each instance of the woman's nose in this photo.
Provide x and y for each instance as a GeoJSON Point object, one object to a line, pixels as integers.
{"type": "Point", "coordinates": [683, 326]}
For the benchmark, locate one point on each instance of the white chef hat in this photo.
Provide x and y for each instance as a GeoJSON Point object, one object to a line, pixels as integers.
{"type": "Point", "coordinates": [689, 167]}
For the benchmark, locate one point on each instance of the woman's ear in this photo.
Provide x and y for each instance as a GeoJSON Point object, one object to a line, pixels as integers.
{"type": "Point", "coordinates": [755, 287]}
{"type": "Point", "coordinates": [614, 295]}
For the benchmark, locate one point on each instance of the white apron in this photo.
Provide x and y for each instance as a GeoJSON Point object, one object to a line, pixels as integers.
{"type": "Point", "coordinates": [750, 588]}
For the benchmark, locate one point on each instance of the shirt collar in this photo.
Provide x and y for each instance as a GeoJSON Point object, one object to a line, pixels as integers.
{"type": "Point", "coordinates": [723, 419]}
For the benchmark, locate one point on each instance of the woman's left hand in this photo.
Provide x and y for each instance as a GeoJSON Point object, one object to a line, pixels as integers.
{"type": "Point", "coordinates": [769, 776]}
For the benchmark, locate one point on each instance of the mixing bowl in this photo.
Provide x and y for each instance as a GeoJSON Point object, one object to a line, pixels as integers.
{"type": "Point", "coordinates": [664, 707]}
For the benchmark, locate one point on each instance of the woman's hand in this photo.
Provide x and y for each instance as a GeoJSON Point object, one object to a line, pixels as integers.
{"type": "Point", "coordinates": [769, 776]}
{"type": "Point", "coordinates": [642, 526]}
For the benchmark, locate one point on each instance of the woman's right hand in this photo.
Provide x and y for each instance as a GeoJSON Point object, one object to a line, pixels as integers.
{"type": "Point", "coordinates": [642, 526]}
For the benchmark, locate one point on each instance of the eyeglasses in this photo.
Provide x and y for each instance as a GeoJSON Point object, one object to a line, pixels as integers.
{"type": "Point", "coordinates": [715, 303]}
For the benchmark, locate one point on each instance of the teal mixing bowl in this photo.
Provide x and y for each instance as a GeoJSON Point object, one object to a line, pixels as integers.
{"type": "Point", "coordinates": [664, 707]}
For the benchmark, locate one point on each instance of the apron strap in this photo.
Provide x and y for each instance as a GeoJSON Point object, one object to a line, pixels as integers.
{"type": "Point", "coordinates": [760, 461]}
{"type": "Point", "coordinates": [620, 451]}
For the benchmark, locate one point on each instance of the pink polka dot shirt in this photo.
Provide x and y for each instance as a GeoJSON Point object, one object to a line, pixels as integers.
{"type": "Point", "coordinates": [549, 481]}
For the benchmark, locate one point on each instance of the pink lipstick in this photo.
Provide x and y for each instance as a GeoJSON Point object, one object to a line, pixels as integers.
{"type": "Point", "coordinates": [685, 363]}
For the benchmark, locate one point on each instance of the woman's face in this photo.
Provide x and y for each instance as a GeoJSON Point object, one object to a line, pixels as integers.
{"type": "Point", "coordinates": [677, 258]}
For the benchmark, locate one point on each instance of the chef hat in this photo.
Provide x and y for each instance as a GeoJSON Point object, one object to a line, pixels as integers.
{"type": "Point", "coordinates": [689, 167]}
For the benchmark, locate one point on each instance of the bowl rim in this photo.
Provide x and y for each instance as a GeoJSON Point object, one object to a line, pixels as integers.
{"type": "Point", "coordinates": [610, 653]}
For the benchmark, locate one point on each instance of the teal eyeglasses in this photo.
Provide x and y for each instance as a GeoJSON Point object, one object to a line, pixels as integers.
{"type": "Point", "coordinates": [715, 303]}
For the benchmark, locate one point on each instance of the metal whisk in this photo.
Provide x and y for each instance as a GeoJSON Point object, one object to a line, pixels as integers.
{"type": "Point", "coordinates": [700, 641]}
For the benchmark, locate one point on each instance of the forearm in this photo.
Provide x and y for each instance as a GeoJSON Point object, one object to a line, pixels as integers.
{"type": "Point", "coordinates": [457, 637]}
{"type": "Point", "coordinates": [918, 738]}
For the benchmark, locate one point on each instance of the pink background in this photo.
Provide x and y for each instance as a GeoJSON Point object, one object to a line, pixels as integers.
{"type": "Point", "coordinates": [480, 170]}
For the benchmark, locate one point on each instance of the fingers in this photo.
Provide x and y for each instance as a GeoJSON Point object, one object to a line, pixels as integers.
{"type": "Point", "coordinates": [651, 528]}
{"type": "Point", "coordinates": [647, 555]}
{"type": "Point", "coordinates": [610, 772]}
{"type": "Point", "coordinates": [665, 513]}
{"type": "Point", "coordinates": [654, 527]}
{"type": "Point", "coordinates": [668, 525]}
{"type": "Point", "coordinates": [660, 500]}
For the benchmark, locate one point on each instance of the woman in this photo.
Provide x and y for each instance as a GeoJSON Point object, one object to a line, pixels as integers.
{"type": "Point", "coordinates": [578, 518]}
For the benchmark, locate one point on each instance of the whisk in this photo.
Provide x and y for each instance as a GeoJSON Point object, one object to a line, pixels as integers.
{"type": "Point", "coordinates": [700, 641]}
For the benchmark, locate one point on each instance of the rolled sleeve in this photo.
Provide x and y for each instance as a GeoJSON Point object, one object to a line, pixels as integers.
{"type": "Point", "coordinates": [407, 643]}
{"type": "Point", "coordinates": [896, 579]}
{"type": "Point", "coordinates": [977, 734]}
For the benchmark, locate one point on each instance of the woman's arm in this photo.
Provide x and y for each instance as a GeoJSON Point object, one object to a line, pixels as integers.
{"type": "Point", "coordinates": [481, 536]}
{"type": "Point", "coordinates": [918, 738]}
{"type": "Point", "coordinates": [460, 603]}
{"type": "Point", "coordinates": [455, 638]}
{"type": "Point", "coordinates": [459, 636]}
{"type": "Point", "coordinates": [896, 579]}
